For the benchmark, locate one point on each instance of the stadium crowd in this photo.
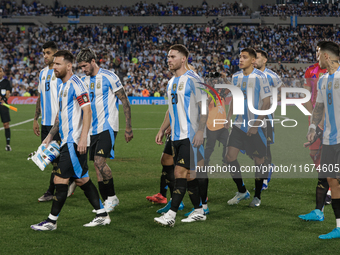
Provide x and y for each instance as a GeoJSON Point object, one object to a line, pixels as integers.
{"type": "Point", "coordinates": [138, 53]}
{"type": "Point", "coordinates": [35, 8]}
{"type": "Point", "coordinates": [303, 9]}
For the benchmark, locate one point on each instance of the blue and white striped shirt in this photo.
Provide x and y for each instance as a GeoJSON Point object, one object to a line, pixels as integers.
{"type": "Point", "coordinates": [329, 95]}
{"type": "Point", "coordinates": [104, 102]}
{"type": "Point", "coordinates": [48, 89]}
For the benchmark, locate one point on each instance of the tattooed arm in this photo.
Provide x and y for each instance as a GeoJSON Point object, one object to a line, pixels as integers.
{"type": "Point", "coordinates": [36, 129]}
{"type": "Point", "coordinates": [54, 130]}
{"type": "Point", "coordinates": [127, 112]}
{"type": "Point", "coordinates": [317, 116]}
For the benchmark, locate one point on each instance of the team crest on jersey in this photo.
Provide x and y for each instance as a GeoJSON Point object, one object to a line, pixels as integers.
{"type": "Point", "coordinates": [48, 77]}
{"type": "Point", "coordinates": [92, 85]}
{"type": "Point", "coordinates": [181, 86]}
{"type": "Point", "coordinates": [251, 85]}
{"type": "Point", "coordinates": [65, 92]}
{"type": "Point", "coordinates": [244, 84]}
{"type": "Point", "coordinates": [98, 85]}
{"type": "Point", "coordinates": [329, 85]}
{"type": "Point", "coordinates": [53, 77]}
{"type": "Point", "coordinates": [336, 85]}
{"type": "Point", "coordinates": [174, 86]}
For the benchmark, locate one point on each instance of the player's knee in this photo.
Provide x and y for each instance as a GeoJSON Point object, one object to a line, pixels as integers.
{"type": "Point", "coordinates": [230, 158]}
{"type": "Point", "coordinates": [6, 125]}
{"type": "Point", "coordinates": [99, 161]}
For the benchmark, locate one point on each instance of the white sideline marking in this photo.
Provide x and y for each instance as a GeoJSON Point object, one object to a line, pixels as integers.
{"type": "Point", "coordinates": [17, 124]}
{"type": "Point", "coordinates": [23, 122]}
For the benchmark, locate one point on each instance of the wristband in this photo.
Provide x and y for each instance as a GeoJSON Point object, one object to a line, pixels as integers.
{"type": "Point", "coordinates": [312, 126]}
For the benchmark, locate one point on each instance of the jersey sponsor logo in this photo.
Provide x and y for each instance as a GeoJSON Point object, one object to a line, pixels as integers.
{"type": "Point", "coordinates": [65, 92]}
{"type": "Point", "coordinates": [181, 161]}
{"type": "Point", "coordinates": [43, 78]}
{"type": "Point", "coordinates": [100, 152]}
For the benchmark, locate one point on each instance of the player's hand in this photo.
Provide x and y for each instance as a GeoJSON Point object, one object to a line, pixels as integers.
{"type": "Point", "coordinates": [252, 131]}
{"type": "Point", "coordinates": [82, 146]}
{"type": "Point", "coordinates": [168, 131]}
{"type": "Point", "coordinates": [128, 134]}
{"type": "Point", "coordinates": [198, 139]}
{"type": "Point", "coordinates": [311, 134]}
{"type": "Point", "coordinates": [159, 137]}
{"type": "Point", "coordinates": [36, 128]}
{"type": "Point", "coordinates": [47, 140]}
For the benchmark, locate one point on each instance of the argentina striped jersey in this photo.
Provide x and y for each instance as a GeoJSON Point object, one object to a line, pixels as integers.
{"type": "Point", "coordinates": [183, 98]}
{"type": "Point", "coordinates": [258, 81]}
{"type": "Point", "coordinates": [48, 89]}
{"type": "Point", "coordinates": [104, 102]}
{"type": "Point", "coordinates": [329, 95]}
{"type": "Point", "coordinates": [73, 95]}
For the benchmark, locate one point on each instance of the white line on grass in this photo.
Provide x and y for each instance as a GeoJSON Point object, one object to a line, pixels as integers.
{"type": "Point", "coordinates": [23, 122]}
{"type": "Point", "coordinates": [17, 124]}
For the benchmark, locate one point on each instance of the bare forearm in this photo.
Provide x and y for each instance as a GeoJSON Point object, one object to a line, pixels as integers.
{"type": "Point", "coordinates": [55, 129]}
{"type": "Point", "coordinates": [37, 109]}
{"type": "Point", "coordinates": [202, 122]}
{"type": "Point", "coordinates": [318, 113]}
{"type": "Point", "coordinates": [309, 106]}
{"type": "Point", "coordinates": [87, 114]}
{"type": "Point", "coordinates": [230, 110]}
{"type": "Point", "coordinates": [126, 106]}
{"type": "Point", "coordinates": [166, 121]}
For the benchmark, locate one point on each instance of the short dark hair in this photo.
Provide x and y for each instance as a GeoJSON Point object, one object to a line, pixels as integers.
{"type": "Point", "coordinates": [68, 56]}
{"type": "Point", "coordinates": [51, 45]}
{"type": "Point", "coordinates": [251, 51]}
{"type": "Point", "coordinates": [330, 47]}
{"type": "Point", "coordinates": [320, 43]}
{"type": "Point", "coordinates": [263, 53]}
{"type": "Point", "coordinates": [181, 48]}
{"type": "Point", "coordinates": [86, 55]}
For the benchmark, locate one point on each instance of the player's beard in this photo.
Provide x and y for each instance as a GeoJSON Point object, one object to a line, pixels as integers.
{"type": "Point", "coordinates": [61, 74]}
{"type": "Point", "coordinates": [90, 72]}
{"type": "Point", "coordinates": [174, 67]}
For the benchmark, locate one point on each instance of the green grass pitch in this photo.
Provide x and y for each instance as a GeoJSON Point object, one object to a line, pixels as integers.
{"type": "Point", "coordinates": [273, 228]}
